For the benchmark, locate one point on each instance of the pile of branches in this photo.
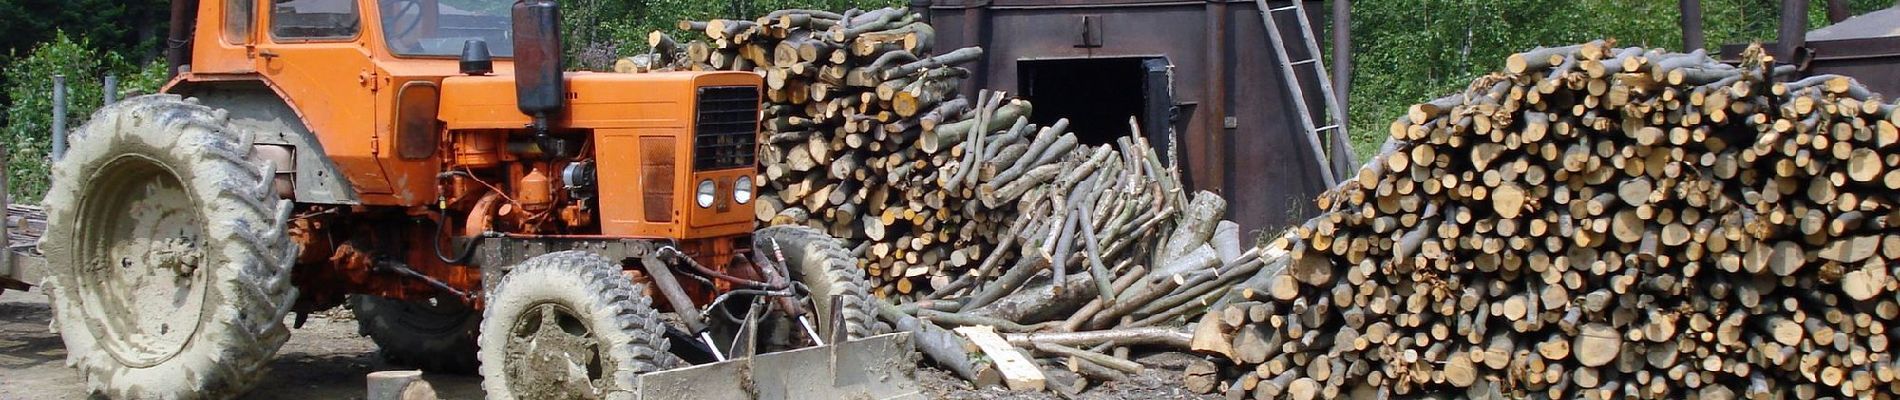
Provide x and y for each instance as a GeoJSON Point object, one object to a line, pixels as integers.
{"type": "Point", "coordinates": [1081, 294]}
{"type": "Point", "coordinates": [1594, 222]}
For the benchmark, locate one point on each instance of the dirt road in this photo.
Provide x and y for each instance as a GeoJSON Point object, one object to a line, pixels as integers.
{"type": "Point", "coordinates": [326, 359]}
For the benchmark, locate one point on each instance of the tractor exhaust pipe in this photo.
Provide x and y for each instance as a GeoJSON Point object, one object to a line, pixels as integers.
{"type": "Point", "coordinates": [178, 39]}
{"type": "Point", "coordinates": [1793, 33]}
{"type": "Point", "coordinates": [540, 91]}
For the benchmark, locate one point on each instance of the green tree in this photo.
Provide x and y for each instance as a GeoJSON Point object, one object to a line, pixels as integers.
{"type": "Point", "coordinates": [28, 131]}
{"type": "Point", "coordinates": [1411, 51]}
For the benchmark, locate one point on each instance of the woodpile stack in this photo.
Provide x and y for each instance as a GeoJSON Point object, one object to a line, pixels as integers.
{"type": "Point", "coordinates": [1595, 222]}
{"type": "Point", "coordinates": [25, 223]}
{"type": "Point", "coordinates": [870, 141]}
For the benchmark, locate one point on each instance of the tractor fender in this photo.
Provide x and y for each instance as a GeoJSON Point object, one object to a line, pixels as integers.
{"type": "Point", "coordinates": [271, 120]}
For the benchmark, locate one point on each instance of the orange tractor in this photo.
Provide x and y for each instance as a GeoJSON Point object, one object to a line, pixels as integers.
{"type": "Point", "coordinates": [429, 163]}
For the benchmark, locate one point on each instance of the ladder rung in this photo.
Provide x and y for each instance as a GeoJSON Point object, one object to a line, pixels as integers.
{"type": "Point", "coordinates": [1326, 128]}
{"type": "Point", "coordinates": [1279, 9]}
{"type": "Point", "coordinates": [1306, 61]}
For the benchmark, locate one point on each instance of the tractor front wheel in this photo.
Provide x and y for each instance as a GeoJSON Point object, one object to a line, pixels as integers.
{"type": "Point", "coordinates": [568, 325]}
{"type": "Point", "coordinates": [169, 264]}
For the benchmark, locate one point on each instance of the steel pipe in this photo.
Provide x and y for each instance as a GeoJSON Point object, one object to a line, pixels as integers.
{"type": "Point", "coordinates": [1691, 24]}
{"type": "Point", "coordinates": [59, 116]}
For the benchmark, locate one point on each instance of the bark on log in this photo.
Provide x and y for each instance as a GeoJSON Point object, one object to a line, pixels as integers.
{"type": "Point", "coordinates": [945, 348]}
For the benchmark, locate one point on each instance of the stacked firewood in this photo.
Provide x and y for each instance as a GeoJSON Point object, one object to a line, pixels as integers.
{"type": "Point", "coordinates": [25, 223]}
{"type": "Point", "coordinates": [868, 139]}
{"type": "Point", "coordinates": [1595, 222]}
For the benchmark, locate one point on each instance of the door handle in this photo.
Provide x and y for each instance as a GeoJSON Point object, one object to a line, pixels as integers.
{"type": "Point", "coordinates": [267, 54]}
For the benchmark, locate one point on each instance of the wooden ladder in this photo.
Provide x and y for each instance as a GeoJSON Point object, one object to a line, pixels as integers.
{"type": "Point", "coordinates": [1317, 137]}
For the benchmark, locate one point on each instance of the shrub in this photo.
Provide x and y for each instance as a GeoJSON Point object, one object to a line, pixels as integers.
{"type": "Point", "coordinates": [29, 118]}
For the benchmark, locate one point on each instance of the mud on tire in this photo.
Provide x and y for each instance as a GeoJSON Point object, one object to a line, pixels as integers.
{"type": "Point", "coordinates": [585, 293]}
{"type": "Point", "coordinates": [823, 265]}
{"type": "Point", "coordinates": [436, 335]}
{"type": "Point", "coordinates": [169, 268]}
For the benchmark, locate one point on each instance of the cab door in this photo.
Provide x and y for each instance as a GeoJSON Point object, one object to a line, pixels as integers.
{"type": "Point", "coordinates": [315, 52]}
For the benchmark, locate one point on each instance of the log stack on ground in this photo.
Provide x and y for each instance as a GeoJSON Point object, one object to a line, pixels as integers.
{"type": "Point", "coordinates": [1080, 330]}
{"type": "Point", "coordinates": [1595, 222]}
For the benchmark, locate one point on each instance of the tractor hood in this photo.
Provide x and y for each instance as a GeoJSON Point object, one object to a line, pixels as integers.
{"type": "Point", "coordinates": [594, 100]}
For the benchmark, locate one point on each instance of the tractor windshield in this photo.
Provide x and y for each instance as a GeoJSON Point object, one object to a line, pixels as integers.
{"type": "Point", "coordinates": [431, 28]}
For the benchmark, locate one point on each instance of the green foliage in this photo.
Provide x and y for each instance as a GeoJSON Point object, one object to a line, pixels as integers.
{"type": "Point", "coordinates": [130, 27]}
{"type": "Point", "coordinates": [1411, 51]}
{"type": "Point", "coordinates": [28, 132]}
{"type": "Point", "coordinates": [599, 31]}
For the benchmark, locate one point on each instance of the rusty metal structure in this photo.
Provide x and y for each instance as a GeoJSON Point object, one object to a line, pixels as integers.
{"type": "Point", "coordinates": [1865, 47]}
{"type": "Point", "coordinates": [1201, 70]}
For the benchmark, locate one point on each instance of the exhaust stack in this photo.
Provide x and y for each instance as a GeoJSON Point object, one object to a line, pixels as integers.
{"type": "Point", "coordinates": [540, 91]}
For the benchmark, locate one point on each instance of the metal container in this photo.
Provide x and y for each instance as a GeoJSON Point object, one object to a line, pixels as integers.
{"type": "Point", "coordinates": [540, 90]}
{"type": "Point", "coordinates": [1204, 68]}
{"type": "Point", "coordinates": [1865, 47]}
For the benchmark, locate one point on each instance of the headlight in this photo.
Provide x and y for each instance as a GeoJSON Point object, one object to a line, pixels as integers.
{"type": "Point", "coordinates": [742, 190]}
{"type": "Point", "coordinates": [706, 189]}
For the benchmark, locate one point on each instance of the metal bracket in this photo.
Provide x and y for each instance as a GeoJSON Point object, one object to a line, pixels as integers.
{"type": "Point", "coordinates": [1091, 32]}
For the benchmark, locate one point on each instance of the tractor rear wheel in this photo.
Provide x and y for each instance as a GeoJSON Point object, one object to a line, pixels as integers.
{"type": "Point", "coordinates": [169, 264]}
{"type": "Point", "coordinates": [822, 264]}
{"type": "Point", "coordinates": [568, 325]}
{"type": "Point", "coordinates": [436, 335]}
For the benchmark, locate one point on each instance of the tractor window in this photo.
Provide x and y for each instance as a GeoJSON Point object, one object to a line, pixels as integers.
{"type": "Point", "coordinates": [314, 19]}
{"type": "Point", "coordinates": [439, 28]}
{"type": "Point", "coordinates": [237, 21]}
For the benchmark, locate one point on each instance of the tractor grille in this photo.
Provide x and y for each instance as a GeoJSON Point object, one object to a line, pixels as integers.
{"type": "Point", "coordinates": [727, 127]}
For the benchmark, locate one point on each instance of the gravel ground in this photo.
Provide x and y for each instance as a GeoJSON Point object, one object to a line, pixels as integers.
{"type": "Point", "coordinates": [326, 359]}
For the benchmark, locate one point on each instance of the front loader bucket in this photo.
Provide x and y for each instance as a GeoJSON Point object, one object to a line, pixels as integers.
{"type": "Point", "coordinates": [875, 368]}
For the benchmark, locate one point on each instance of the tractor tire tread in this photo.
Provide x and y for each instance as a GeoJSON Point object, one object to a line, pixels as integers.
{"type": "Point", "coordinates": [248, 294]}
{"type": "Point", "coordinates": [619, 310]}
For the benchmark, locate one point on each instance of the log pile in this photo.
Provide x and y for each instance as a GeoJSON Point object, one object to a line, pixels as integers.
{"type": "Point", "coordinates": [1594, 222]}
{"type": "Point", "coordinates": [868, 139]}
{"type": "Point", "coordinates": [1082, 316]}
{"type": "Point", "coordinates": [24, 224]}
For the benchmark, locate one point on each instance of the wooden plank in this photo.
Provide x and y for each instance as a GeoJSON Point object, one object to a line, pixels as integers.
{"type": "Point", "coordinates": [1018, 372]}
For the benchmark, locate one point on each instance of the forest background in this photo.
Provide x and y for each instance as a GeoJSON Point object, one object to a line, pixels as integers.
{"type": "Point", "coordinates": [1405, 51]}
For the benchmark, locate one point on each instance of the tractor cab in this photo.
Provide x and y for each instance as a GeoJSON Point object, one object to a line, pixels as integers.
{"type": "Point", "coordinates": [394, 93]}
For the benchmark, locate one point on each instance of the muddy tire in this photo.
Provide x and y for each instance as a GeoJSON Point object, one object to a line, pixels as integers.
{"type": "Point", "coordinates": [603, 331]}
{"type": "Point", "coordinates": [169, 267]}
{"type": "Point", "coordinates": [436, 335]}
{"type": "Point", "coordinates": [823, 265]}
